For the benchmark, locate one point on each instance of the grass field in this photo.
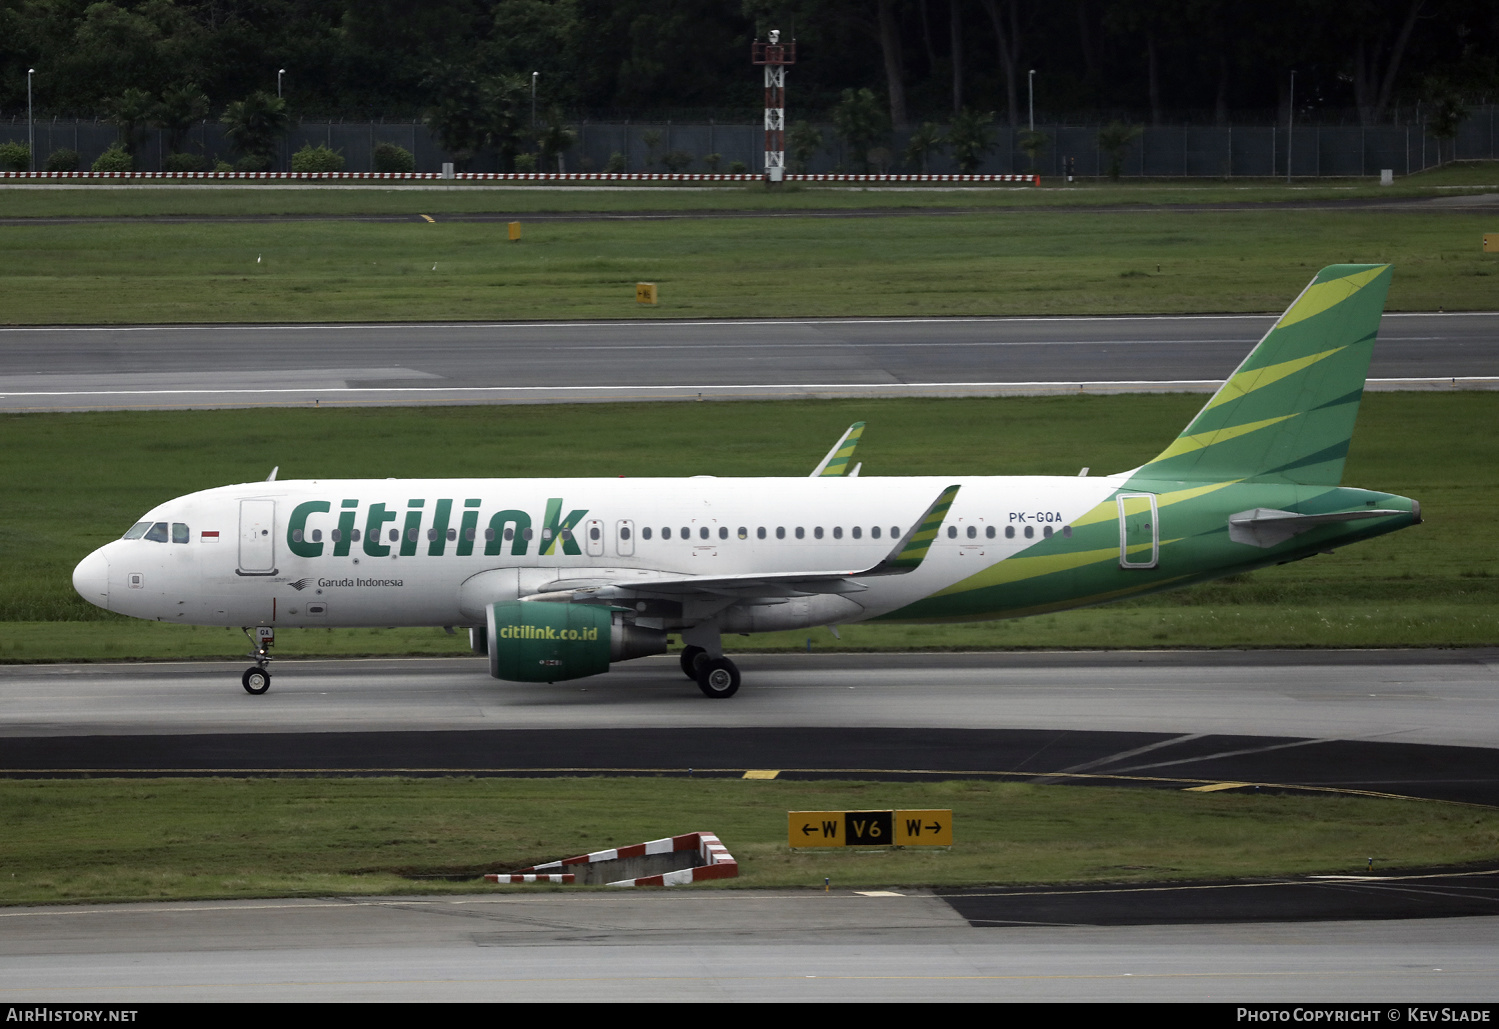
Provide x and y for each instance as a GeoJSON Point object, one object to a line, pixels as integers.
{"type": "Point", "coordinates": [79, 480]}
{"type": "Point", "coordinates": [987, 263]}
{"type": "Point", "coordinates": [115, 840]}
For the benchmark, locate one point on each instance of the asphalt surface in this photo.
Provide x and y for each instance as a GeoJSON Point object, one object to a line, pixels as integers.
{"type": "Point", "coordinates": [1413, 724]}
{"type": "Point", "coordinates": [715, 945]}
{"type": "Point", "coordinates": [126, 367]}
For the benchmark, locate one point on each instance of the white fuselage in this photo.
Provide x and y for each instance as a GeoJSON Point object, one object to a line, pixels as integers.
{"type": "Point", "coordinates": [435, 551]}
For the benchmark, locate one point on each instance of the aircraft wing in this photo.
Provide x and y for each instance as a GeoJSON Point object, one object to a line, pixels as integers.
{"type": "Point", "coordinates": [836, 463]}
{"type": "Point", "coordinates": [906, 556]}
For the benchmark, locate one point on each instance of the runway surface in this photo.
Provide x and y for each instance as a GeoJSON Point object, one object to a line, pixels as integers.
{"type": "Point", "coordinates": [126, 367]}
{"type": "Point", "coordinates": [1408, 723]}
{"type": "Point", "coordinates": [715, 946]}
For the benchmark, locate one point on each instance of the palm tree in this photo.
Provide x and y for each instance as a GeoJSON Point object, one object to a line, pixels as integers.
{"type": "Point", "coordinates": [555, 138]}
{"type": "Point", "coordinates": [180, 108]}
{"type": "Point", "coordinates": [970, 138]}
{"type": "Point", "coordinates": [1114, 140]}
{"type": "Point", "coordinates": [861, 122]}
{"type": "Point", "coordinates": [130, 112]}
{"type": "Point", "coordinates": [924, 142]}
{"type": "Point", "coordinates": [255, 125]}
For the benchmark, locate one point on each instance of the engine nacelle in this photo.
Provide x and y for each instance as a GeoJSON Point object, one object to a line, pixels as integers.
{"type": "Point", "coordinates": [541, 641]}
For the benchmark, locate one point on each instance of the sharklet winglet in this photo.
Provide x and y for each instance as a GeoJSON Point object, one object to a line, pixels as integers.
{"type": "Point", "coordinates": [907, 555]}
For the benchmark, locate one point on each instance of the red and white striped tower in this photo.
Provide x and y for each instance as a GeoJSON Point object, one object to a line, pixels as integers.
{"type": "Point", "coordinates": [775, 56]}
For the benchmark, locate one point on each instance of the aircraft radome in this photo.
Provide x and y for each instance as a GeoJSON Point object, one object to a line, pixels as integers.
{"type": "Point", "coordinates": [557, 578]}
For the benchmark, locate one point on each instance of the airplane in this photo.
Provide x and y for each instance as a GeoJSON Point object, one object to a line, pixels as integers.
{"type": "Point", "coordinates": [556, 579]}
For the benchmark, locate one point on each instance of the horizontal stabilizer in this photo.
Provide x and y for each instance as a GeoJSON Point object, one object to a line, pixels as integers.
{"type": "Point", "coordinates": [1266, 527]}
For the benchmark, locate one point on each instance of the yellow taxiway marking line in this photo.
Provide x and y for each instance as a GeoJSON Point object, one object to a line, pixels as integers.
{"type": "Point", "coordinates": [1214, 787]}
{"type": "Point", "coordinates": [762, 773]}
{"type": "Point", "coordinates": [430, 218]}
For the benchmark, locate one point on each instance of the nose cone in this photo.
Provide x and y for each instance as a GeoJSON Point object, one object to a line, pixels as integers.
{"type": "Point", "coordinates": [91, 579]}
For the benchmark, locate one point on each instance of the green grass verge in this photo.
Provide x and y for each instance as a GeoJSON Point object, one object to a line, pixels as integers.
{"type": "Point", "coordinates": [985, 263]}
{"type": "Point", "coordinates": [178, 839]}
{"type": "Point", "coordinates": [77, 481]}
{"type": "Point", "coordinates": [387, 199]}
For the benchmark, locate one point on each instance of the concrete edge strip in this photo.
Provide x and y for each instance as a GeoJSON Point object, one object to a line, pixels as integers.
{"type": "Point", "coordinates": [545, 177]}
{"type": "Point", "coordinates": [347, 393]}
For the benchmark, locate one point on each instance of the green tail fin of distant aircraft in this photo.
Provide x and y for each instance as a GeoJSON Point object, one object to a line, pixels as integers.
{"type": "Point", "coordinates": [1287, 413]}
{"type": "Point", "coordinates": [837, 462]}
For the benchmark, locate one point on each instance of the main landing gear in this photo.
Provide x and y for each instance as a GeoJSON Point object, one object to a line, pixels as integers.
{"type": "Point", "coordinates": [717, 677]}
{"type": "Point", "coordinates": [257, 680]}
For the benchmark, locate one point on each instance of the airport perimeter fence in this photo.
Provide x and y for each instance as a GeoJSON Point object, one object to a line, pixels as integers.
{"type": "Point", "coordinates": [1181, 151]}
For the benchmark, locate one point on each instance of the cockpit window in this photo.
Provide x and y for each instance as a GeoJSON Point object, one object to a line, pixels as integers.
{"type": "Point", "coordinates": [180, 533]}
{"type": "Point", "coordinates": [136, 531]}
{"type": "Point", "coordinates": [157, 533]}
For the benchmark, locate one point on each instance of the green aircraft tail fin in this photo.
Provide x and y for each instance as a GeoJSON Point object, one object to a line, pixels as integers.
{"type": "Point", "coordinates": [837, 462]}
{"type": "Point", "coordinates": [1287, 413]}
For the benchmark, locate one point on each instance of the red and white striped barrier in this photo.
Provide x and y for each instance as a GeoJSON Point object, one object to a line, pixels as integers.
{"type": "Point", "coordinates": [538, 177]}
{"type": "Point", "coordinates": [717, 862]}
{"type": "Point", "coordinates": [566, 878]}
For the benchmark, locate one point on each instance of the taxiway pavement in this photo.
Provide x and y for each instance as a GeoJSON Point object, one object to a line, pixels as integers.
{"type": "Point", "coordinates": [127, 367]}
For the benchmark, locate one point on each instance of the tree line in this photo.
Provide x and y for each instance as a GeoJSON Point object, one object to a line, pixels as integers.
{"type": "Point", "coordinates": [499, 75]}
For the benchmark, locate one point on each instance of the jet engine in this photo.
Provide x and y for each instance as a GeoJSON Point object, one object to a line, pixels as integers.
{"type": "Point", "coordinates": [543, 641]}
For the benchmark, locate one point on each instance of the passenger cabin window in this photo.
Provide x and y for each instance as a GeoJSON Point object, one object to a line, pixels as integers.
{"type": "Point", "coordinates": [989, 531]}
{"type": "Point", "coordinates": [857, 532]}
{"type": "Point", "coordinates": [646, 532]}
{"type": "Point", "coordinates": [743, 533]}
{"type": "Point", "coordinates": [723, 532]}
{"type": "Point", "coordinates": [801, 533]}
{"type": "Point", "coordinates": [702, 532]}
{"type": "Point", "coordinates": [874, 533]}
{"type": "Point", "coordinates": [1030, 532]}
{"type": "Point", "coordinates": [1009, 532]}
{"type": "Point", "coordinates": [666, 532]}
{"type": "Point", "coordinates": [760, 533]}
{"type": "Point", "coordinates": [952, 532]}
{"type": "Point", "coordinates": [780, 532]}
{"type": "Point", "coordinates": [973, 532]}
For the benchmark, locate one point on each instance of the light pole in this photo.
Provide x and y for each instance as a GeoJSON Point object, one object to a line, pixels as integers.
{"type": "Point", "coordinates": [533, 99]}
{"type": "Point", "coordinates": [280, 72]}
{"type": "Point", "coordinates": [1290, 126]}
{"type": "Point", "coordinates": [30, 124]}
{"type": "Point", "coordinates": [1030, 85]}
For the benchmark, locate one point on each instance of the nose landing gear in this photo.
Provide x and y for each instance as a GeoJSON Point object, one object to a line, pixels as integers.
{"type": "Point", "coordinates": [257, 680]}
